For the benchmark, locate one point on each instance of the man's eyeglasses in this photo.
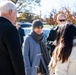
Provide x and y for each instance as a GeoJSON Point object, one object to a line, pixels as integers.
{"type": "Point", "coordinates": [62, 20]}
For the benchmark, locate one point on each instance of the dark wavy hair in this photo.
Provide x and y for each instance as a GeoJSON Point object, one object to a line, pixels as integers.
{"type": "Point", "coordinates": [65, 35]}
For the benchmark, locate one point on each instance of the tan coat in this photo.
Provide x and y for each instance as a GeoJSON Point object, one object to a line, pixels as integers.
{"type": "Point", "coordinates": [68, 67]}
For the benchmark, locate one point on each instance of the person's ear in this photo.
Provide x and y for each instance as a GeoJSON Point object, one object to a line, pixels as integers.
{"type": "Point", "coordinates": [10, 11]}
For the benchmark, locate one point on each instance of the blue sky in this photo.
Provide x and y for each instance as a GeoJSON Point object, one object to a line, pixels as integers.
{"type": "Point", "coordinates": [48, 5]}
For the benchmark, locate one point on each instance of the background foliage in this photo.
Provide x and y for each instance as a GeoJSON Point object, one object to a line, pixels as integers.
{"type": "Point", "coordinates": [25, 8]}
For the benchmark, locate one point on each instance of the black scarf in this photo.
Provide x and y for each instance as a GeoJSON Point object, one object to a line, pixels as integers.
{"type": "Point", "coordinates": [38, 38]}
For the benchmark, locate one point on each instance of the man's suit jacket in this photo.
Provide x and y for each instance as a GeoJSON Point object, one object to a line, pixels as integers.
{"type": "Point", "coordinates": [11, 60]}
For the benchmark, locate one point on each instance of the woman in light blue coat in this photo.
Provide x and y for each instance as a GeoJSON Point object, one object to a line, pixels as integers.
{"type": "Point", "coordinates": [36, 56]}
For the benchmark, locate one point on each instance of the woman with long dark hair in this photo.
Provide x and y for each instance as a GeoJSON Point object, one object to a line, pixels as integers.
{"type": "Point", "coordinates": [63, 61]}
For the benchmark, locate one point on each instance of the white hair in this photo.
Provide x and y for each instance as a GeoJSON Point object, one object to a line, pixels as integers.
{"type": "Point", "coordinates": [5, 6]}
{"type": "Point", "coordinates": [61, 15]}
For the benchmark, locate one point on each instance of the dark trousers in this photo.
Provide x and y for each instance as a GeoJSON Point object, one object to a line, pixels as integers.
{"type": "Point", "coordinates": [41, 70]}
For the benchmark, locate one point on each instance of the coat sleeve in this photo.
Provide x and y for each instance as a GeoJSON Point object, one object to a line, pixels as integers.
{"type": "Point", "coordinates": [12, 42]}
{"type": "Point", "coordinates": [26, 55]}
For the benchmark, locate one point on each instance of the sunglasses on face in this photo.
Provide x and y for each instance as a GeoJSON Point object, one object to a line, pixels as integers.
{"type": "Point", "coordinates": [62, 20]}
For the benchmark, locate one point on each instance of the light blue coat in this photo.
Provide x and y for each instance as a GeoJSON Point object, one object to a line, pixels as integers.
{"type": "Point", "coordinates": [32, 55]}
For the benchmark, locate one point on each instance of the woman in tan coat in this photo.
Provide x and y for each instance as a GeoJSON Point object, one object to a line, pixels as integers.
{"type": "Point", "coordinates": [63, 61]}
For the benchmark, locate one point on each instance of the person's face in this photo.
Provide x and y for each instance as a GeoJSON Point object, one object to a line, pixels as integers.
{"type": "Point", "coordinates": [38, 29]}
{"type": "Point", "coordinates": [13, 15]}
{"type": "Point", "coordinates": [61, 19]}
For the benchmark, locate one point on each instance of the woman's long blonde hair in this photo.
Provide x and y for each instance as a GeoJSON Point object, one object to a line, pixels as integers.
{"type": "Point", "coordinates": [63, 49]}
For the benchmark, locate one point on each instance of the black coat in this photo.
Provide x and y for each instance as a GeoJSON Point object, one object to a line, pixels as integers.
{"type": "Point", "coordinates": [52, 37]}
{"type": "Point", "coordinates": [22, 34]}
{"type": "Point", "coordinates": [53, 34]}
{"type": "Point", "coordinates": [11, 60]}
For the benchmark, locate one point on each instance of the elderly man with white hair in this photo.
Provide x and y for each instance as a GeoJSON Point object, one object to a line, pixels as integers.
{"type": "Point", "coordinates": [11, 60]}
